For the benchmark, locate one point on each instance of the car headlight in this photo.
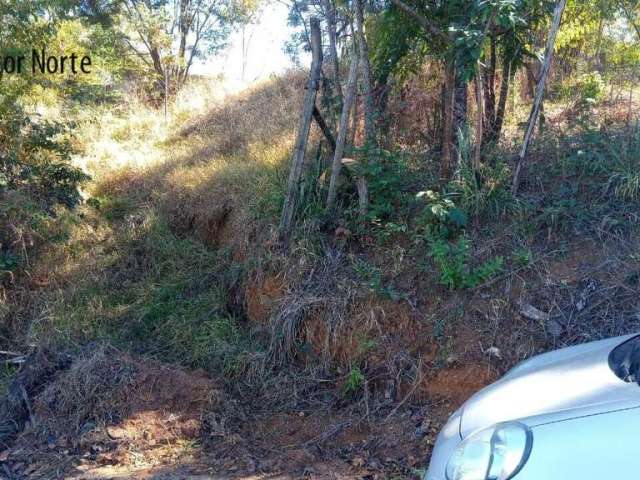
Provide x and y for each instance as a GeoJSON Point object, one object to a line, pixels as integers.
{"type": "Point", "coordinates": [497, 453]}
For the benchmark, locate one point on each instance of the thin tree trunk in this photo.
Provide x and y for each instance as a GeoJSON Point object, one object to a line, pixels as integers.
{"type": "Point", "coordinates": [330, 13]}
{"type": "Point", "coordinates": [295, 175]}
{"type": "Point", "coordinates": [354, 122]}
{"type": "Point", "coordinates": [479, 119]}
{"type": "Point", "coordinates": [535, 110]}
{"type": "Point", "coordinates": [324, 128]}
{"type": "Point", "coordinates": [369, 126]}
{"type": "Point", "coordinates": [489, 89]}
{"type": "Point", "coordinates": [496, 128]}
{"type": "Point", "coordinates": [447, 130]}
{"type": "Point", "coordinates": [363, 195]}
{"type": "Point", "coordinates": [342, 133]}
{"type": "Point", "coordinates": [166, 92]}
{"type": "Point", "coordinates": [461, 95]}
{"type": "Point", "coordinates": [629, 17]}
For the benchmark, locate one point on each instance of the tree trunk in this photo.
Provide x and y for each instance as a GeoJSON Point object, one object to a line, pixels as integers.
{"type": "Point", "coordinates": [535, 110]}
{"type": "Point", "coordinates": [381, 102]}
{"type": "Point", "coordinates": [489, 89]}
{"type": "Point", "coordinates": [295, 175]}
{"type": "Point", "coordinates": [447, 130]}
{"type": "Point", "coordinates": [157, 61]}
{"type": "Point", "coordinates": [324, 128]}
{"type": "Point", "coordinates": [461, 95]}
{"type": "Point", "coordinates": [330, 13]}
{"type": "Point", "coordinates": [369, 126]}
{"type": "Point", "coordinates": [479, 119]}
{"type": "Point", "coordinates": [496, 128]}
{"type": "Point", "coordinates": [342, 133]}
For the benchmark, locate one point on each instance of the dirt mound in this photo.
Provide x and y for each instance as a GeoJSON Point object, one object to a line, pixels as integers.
{"type": "Point", "coordinates": [110, 408]}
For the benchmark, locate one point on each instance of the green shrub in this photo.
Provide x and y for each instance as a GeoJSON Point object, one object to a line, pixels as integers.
{"type": "Point", "coordinates": [454, 262]}
{"type": "Point", "coordinates": [485, 191]}
{"type": "Point", "coordinates": [440, 216]}
{"type": "Point", "coordinates": [388, 180]}
{"type": "Point", "coordinates": [625, 178]}
{"type": "Point", "coordinates": [36, 158]}
{"type": "Point", "coordinates": [372, 277]}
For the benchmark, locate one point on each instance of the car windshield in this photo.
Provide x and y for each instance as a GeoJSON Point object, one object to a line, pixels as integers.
{"type": "Point", "coordinates": [624, 360]}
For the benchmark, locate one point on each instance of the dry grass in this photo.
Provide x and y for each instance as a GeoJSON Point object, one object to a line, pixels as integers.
{"type": "Point", "coordinates": [143, 263]}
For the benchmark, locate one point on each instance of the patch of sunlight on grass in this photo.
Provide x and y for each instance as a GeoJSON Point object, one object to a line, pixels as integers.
{"type": "Point", "coordinates": [154, 263]}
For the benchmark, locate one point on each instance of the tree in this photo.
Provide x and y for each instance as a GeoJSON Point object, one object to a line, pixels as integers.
{"type": "Point", "coordinates": [168, 35]}
{"type": "Point", "coordinates": [308, 106]}
{"type": "Point", "coordinates": [347, 106]}
{"type": "Point", "coordinates": [535, 110]}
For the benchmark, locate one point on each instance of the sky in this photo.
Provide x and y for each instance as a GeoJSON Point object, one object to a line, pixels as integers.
{"type": "Point", "coordinates": [265, 49]}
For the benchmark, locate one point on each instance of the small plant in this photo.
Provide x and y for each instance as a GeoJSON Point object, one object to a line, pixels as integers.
{"type": "Point", "coordinates": [453, 261]}
{"type": "Point", "coordinates": [388, 183]}
{"type": "Point", "coordinates": [626, 178]}
{"type": "Point", "coordinates": [354, 382]}
{"type": "Point", "coordinates": [372, 276]}
{"type": "Point", "coordinates": [522, 257]}
{"type": "Point", "coordinates": [485, 190]}
{"type": "Point", "coordinates": [440, 217]}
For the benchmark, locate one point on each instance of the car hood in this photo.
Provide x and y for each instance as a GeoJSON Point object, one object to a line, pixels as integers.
{"type": "Point", "coordinates": [563, 384]}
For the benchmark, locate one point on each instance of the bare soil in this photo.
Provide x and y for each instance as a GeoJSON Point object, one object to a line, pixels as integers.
{"type": "Point", "coordinates": [112, 415]}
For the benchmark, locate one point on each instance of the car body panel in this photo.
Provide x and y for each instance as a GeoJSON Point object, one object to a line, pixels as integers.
{"type": "Point", "coordinates": [596, 447]}
{"type": "Point", "coordinates": [546, 392]}
{"type": "Point", "coordinates": [560, 381]}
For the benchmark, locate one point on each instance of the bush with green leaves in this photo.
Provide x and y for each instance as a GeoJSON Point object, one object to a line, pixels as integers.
{"type": "Point", "coordinates": [37, 184]}
{"type": "Point", "coordinates": [387, 177]}
{"type": "Point", "coordinates": [625, 177]}
{"type": "Point", "coordinates": [439, 217]}
{"type": "Point", "coordinates": [454, 261]}
{"type": "Point", "coordinates": [485, 190]}
{"type": "Point", "coordinates": [591, 87]}
{"type": "Point", "coordinates": [36, 158]}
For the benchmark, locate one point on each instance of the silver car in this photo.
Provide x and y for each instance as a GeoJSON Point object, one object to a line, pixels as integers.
{"type": "Point", "coordinates": [569, 414]}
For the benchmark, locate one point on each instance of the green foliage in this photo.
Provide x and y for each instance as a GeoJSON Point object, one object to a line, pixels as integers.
{"type": "Point", "coordinates": [163, 295]}
{"type": "Point", "coordinates": [454, 262]}
{"type": "Point", "coordinates": [354, 382]}
{"type": "Point", "coordinates": [37, 184]}
{"type": "Point", "coordinates": [387, 177]}
{"type": "Point", "coordinates": [372, 276]}
{"type": "Point", "coordinates": [625, 177]}
{"type": "Point", "coordinates": [37, 158]}
{"type": "Point", "coordinates": [485, 189]}
{"type": "Point", "coordinates": [440, 216]}
{"type": "Point", "coordinates": [591, 87]}
{"type": "Point", "coordinates": [522, 257]}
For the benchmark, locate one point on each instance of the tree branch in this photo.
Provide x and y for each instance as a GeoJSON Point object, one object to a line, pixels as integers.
{"type": "Point", "coordinates": [421, 19]}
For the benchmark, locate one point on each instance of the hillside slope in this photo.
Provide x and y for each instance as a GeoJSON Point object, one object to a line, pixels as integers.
{"type": "Point", "coordinates": [176, 337]}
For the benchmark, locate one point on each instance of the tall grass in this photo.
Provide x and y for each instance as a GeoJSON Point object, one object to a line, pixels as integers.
{"type": "Point", "coordinates": [156, 259]}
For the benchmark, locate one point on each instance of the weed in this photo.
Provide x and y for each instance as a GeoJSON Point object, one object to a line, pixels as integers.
{"type": "Point", "coordinates": [483, 191]}
{"type": "Point", "coordinates": [453, 261]}
{"type": "Point", "coordinates": [440, 217]}
{"type": "Point", "coordinates": [522, 257]}
{"type": "Point", "coordinates": [388, 181]}
{"type": "Point", "coordinates": [372, 276]}
{"type": "Point", "coordinates": [354, 382]}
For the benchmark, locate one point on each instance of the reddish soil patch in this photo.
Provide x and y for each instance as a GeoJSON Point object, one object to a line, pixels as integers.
{"type": "Point", "coordinates": [262, 296]}
{"type": "Point", "coordinates": [458, 383]}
